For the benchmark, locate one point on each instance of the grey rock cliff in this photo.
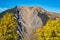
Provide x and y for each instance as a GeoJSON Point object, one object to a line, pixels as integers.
{"type": "Point", "coordinates": [29, 19]}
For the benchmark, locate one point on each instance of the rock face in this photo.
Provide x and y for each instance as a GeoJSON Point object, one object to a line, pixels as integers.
{"type": "Point", "coordinates": [31, 18]}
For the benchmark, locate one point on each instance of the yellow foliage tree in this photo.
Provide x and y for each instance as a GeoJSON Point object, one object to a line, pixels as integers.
{"type": "Point", "coordinates": [51, 30]}
{"type": "Point", "coordinates": [8, 27]}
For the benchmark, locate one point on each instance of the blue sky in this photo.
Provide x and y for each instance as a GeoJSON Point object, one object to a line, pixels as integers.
{"type": "Point", "coordinates": [49, 5]}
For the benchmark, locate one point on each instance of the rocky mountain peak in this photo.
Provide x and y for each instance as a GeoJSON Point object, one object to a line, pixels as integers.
{"type": "Point", "coordinates": [30, 19]}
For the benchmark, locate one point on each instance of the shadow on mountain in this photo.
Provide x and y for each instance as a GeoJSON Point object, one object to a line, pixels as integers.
{"type": "Point", "coordinates": [43, 17]}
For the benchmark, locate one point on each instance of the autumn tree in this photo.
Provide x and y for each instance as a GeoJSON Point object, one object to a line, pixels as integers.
{"type": "Point", "coordinates": [8, 27]}
{"type": "Point", "coordinates": [51, 30]}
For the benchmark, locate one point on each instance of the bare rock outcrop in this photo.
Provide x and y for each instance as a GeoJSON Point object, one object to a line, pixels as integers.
{"type": "Point", "coordinates": [29, 20]}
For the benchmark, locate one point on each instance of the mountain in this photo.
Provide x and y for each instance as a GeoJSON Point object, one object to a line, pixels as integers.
{"type": "Point", "coordinates": [30, 18]}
